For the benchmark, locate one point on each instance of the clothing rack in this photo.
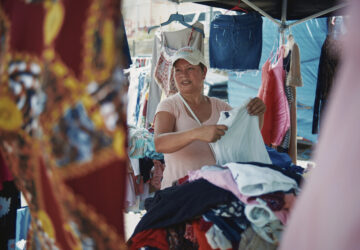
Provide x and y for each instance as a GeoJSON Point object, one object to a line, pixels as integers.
{"type": "Point", "coordinates": [179, 18]}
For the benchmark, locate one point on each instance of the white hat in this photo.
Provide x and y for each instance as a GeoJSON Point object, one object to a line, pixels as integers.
{"type": "Point", "coordinates": [190, 54]}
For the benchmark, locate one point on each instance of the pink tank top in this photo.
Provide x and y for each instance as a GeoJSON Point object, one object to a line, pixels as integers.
{"type": "Point", "coordinates": [277, 115]}
{"type": "Point", "coordinates": [196, 154]}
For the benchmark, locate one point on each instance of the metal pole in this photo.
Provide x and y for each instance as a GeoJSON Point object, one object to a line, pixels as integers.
{"type": "Point", "coordinates": [283, 20]}
{"type": "Point", "coordinates": [339, 6]}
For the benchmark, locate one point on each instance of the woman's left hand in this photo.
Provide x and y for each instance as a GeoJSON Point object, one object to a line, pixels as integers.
{"type": "Point", "coordinates": [256, 107]}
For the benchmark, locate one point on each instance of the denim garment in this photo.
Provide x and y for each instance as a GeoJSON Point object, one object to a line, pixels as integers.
{"type": "Point", "coordinates": [236, 42]}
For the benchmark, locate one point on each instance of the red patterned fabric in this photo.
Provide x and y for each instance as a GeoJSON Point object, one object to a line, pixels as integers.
{"type": "Point", "coordinates": [277, 115]}
{"type": "Point", "coordinates": [5, 174]}
{"type": "Point", "coordinates": [59, 68]}
{"type": "Point", "coordinates": [200, 235]}
{"type": "Point", "coordinates": [150, 238]}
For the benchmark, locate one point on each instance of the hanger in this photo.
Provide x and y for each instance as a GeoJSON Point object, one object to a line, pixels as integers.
{"type": "Point", "coordinates": [179, 18]}
{"type": "Point", "coordinates": [237, 7]}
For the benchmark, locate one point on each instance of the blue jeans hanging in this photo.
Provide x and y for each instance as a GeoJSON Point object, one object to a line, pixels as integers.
{"type": "Point", "coordinates": [235, 42]}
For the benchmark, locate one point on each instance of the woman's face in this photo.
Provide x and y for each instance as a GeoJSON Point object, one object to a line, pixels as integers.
{"type": "Point", "coordinates": [189, 78]}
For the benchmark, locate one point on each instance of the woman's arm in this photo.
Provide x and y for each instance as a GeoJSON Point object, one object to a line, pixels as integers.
{"type": "Point", "coordinates": [168, 141]}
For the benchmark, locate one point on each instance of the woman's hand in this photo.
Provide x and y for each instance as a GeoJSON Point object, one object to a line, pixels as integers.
{"type": "Point", "coordinates": [210, 133]}
{"type": "Point", "coordinates": [256, 107]}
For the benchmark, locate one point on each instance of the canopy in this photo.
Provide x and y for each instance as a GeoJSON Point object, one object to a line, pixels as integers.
{"type": "Point", "coordinates": [279, 9]}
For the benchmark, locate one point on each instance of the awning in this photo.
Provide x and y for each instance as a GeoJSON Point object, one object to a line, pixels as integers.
{"type": "Point", "coordinates": [296, 9]}
{"type": "Point", "coordinates": [280, 11]}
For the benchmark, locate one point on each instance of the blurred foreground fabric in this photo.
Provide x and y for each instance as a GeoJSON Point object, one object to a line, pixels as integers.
{"type": "Point", "coordinates": [62, 120]}
{"type": "Point", "coordinates": [327, 213]}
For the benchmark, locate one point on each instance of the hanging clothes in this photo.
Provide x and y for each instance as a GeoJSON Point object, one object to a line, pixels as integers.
{"type": "Point", "coordinates": [139, 83]}
{"type": "Point", "coordinates": [328, 66]}
{"type": "Point", "coordinates": [293, 70]}
{"type": "Point", "coordinates": [271, 91]}
{"type": "Point", "coordinates": [293, 79]}
{"type": "Point", "coordinates": [235, 41]}
{"type": "Point", "coordinates": [174, 40]}
{"type": "Point", "coordinates": [326, 216]}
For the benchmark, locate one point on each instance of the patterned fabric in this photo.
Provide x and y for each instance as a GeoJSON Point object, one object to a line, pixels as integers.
{"type": "Point", "coordinates": [62, 121]}
{"type": "Point", "coordinates": [141, 144]}
{"type": "Point", "coordinates": [289, 92]}
{"type": "Point", "coordinates": [176, 238]}
{"type": "Point", "coordinates": [230, 219]}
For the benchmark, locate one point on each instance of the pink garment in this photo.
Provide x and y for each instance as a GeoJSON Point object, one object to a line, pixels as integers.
{"type": "Point", "coordinates": [327, 213]}
{"type": "Point", "coordinates": [5, 174]}
{"type": "Point", "coordinates": [196, 154]}
{"type": "Point", "coordinates": [221, 178]}
{"type": "Point", "coordinates": [277, 115]}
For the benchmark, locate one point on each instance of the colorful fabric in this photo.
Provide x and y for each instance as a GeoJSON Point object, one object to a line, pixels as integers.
{"type": "Point", "coordinates": [150, 238]}
{"type": "Point", "coordinates": [5, 174]}
{"type": "Point", "coordinates": [332, 221]}
{"type": "Point", "coordinates": [62, 125]}
{"type": "Point", "coordinates": [271, 91]}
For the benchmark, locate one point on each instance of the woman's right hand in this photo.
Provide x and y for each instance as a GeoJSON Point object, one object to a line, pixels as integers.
{"type": "Point", "coordinates": [210, 133]}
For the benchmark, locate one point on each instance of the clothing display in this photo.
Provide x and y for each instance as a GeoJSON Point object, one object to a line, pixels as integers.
{"type": "Point", "coordinates": [332, 220]}
{"type": "Point", "coordinates": [277, 115]}
{"type": "Point", "coordinates": [293, 79]}
{"type": "Point", "coordinates": [63, 135]}
{"type": "Point", "coordinates": [253, 180]}
{"type": "Point", "coordinates": [242, 141]}
{"type": "Point", "coordinates": [141, 144]}
{"type": "Point", "coordinates": [259, 215]}
{"type": "Point", "coordinates": [139, 83]}
{"type": "Point", "coordinates": [235, 41]}
{"type": "Point", "coordinates": [163, 73]}
{"type": "Point", "coordinates": [328, 67]}
{"type": "Point", "coordinates": [179, 163]}
{"type": "Point", "coordinates": [293, 76]}
{"type": "Point", "coordinates": [174, 40]}
{"type": "Point", "coordinates": [163, 210]}
{"type": "Point", "coordinates": [227, 212]}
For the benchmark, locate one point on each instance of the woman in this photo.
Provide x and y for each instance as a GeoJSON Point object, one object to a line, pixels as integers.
{"type": "Point", "coordinates": [185, 142]}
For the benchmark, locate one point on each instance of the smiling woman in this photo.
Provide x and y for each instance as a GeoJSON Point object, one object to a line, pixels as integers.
{"type": "Point", "coordinates": [185, 123]}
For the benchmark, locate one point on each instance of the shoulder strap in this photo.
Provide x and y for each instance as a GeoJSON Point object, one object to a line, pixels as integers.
{"type": "Point", "coordinates": [195, 117]}
{"type": "Point", "coordinates": [190, 110]}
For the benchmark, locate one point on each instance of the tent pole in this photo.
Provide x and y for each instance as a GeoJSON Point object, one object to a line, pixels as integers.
{"type": "Point", "coordinates": [261, 12]}
{"type": "Point", "coordinates": [283, 21]}
{"type": "Point", "coordinates": [336, 7]}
